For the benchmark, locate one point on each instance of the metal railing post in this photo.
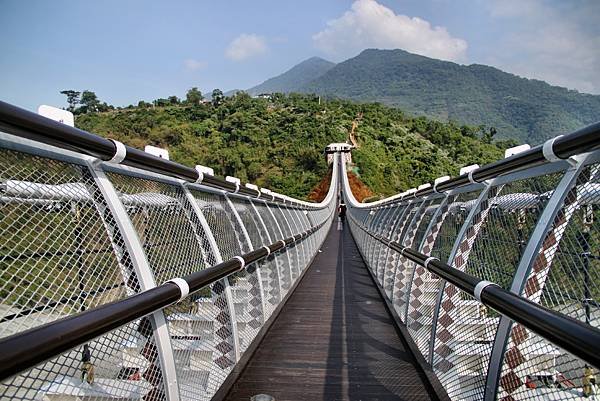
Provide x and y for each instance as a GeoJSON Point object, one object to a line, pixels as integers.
{"type": "Point", "coordinates": [144, 275]}
{"type": "Point", "coordinates": [402, 208]}
{"type": "Point", "coordinates": [286, 253]}
{"type": "Point", "coordinates": [287, 223]}
{"type": "Point", "coordinates": [219, 259]}
{"type": "Point", "coordinates": [257, 271]}
{"type": "Point", "coordinates": [544, 227]}
{"type": "Point", "coordinates": [399, 278]}
{"type": "Point", "coordinates": [483, 196]}
{"type": "Point", "coordinates": [276, 261]}
{"type": "Point", "coordinates": [386, 232]}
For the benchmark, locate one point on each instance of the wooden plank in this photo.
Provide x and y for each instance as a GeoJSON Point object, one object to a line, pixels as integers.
{"type": "Point", "coordinates": [334, 339]}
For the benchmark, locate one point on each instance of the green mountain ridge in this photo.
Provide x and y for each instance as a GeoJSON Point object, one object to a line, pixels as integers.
{"type": "Point", "coordinates": [294, 79]}
{"type": "Point", "coordinates": [527, 110]}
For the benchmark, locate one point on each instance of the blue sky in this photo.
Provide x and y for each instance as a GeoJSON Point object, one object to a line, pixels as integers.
{"type": "Point", "coordinates": [127, 51]}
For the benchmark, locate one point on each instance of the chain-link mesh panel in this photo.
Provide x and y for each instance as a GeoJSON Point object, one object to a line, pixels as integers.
{"type": "Point", "coordinates": [282, 258]}
{"type": "Point", "coordinates": [374, 227]}
{"type": "Point", "coordinates": [565, 277]}
{"type": "Point", "coordinates": [123, 364]}
{"type": "Point", "coordinates": [513, 214]}
{"type": "Point", "coordinates": [222, 224]}
{"type": "Point", "coordinates": [307, 243]}
{"type": "Point", "coordinates": [385, 274]}
{"type": "Point", "coordinates": [292, 251]}
{"type": "Point", "coordinates": [425, 286]}
{"type": "Point", "coordinates": [387, 232]}
{"type": "Point", "coordinates": [404, 267]}
{"type": "Point", "coordinates": [380, 229]}
{"type": "Point", "coordinates": [381, 253]}
{"type": "Point", "coordinates": [163, 221]}
{"type": "Point", "coordinates": [201, 364]}
{"type": "Point", "coordinates": [413, 238]}
{"type": "Point", "coordinates": [466, 329]}
{"type": "Point", "coordinates": [271, 280]}
{"type": "Point", "coordinates": [291, 219]}
{"type": "Point", "coordinates": [393, 258]}
{"type": "Point", "coordinates": [458, 210]}
{"type": "Point", "coordinates": [269, 285]}
{"type": "Point", "coordinates": [176, 245]}
{"type": "Point", "coordinates": [245, 285]}
{"type": "Point", "coordinates": [459, 360]}
{"type": "Point", "coordinates": [57, 258]}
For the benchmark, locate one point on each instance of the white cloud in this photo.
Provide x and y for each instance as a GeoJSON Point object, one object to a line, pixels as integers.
{"type": "Point", "coordinates": [246, 46]}
{"type": "Point", "coordinates": [559, 44]}
{"type": "Point", "coordinates": [369, 24]}
{"type": "Point", "coordinates": [194, 65]}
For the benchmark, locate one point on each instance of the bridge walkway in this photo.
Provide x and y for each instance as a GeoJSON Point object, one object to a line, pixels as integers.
{"type": "Point", "coordinates": [334, 339]}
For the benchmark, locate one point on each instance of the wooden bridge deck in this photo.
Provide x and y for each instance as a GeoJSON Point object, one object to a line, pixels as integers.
{"type": "Point", "coordinates": [334, 339]}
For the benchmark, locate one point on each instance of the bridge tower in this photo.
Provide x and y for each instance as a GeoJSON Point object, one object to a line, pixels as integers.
{"type": "Point", "coordinates": [344, 148]}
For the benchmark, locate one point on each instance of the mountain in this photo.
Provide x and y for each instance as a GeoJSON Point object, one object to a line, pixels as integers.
{"type": "Point", "coordinates": [295, 78]}
{"type": "Point", "coordinates": [524, 109]}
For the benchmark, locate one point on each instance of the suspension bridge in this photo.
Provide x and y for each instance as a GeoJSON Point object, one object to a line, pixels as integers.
{"type": "Point", "coordinates": [127, 276]}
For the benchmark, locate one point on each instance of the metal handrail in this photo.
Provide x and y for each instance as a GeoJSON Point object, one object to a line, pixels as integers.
{"type": "Point", "coordinates": [576, 337]}
{"type": "Point", "coordinates": [29, 348]}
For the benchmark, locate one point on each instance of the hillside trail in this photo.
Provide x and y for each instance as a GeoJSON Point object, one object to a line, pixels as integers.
{"type": "Point", "coordinates": [352, 135]}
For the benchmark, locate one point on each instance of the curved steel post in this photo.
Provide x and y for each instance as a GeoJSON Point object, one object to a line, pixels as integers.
{"type": "Point", "coordinates": [429, 238]}
{"type": "Point", "coordinates": [399, 291]}
{"type": "Point", "coordinates": [483, 196]}
{"type": "Point", "coordinates": [386, 232]}
{"type": "Point", "coordinates": [287, 223]}
{"type": "Point", "coordinates": [552, 222]}
{"type": "Point", "coordinates": [257, 272]}
{"type": "Point", "coordinates": [275, 260]}
{"type": "Point", "coordinates": [144, 275]}
{"type": "Point", "coordinates": [286, 253]}
{"type": "Point", "coordinates": [224, 282]}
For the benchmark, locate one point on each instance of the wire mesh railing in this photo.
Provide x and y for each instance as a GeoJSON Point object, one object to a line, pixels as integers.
{"type": "Point", "coordinates": [496, 274]}
{"type": "Point", "coordinates": [125, 276]}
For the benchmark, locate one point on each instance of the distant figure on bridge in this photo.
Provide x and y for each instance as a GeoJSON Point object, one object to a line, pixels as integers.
{"type": "Point", "coordinates": [87, 367]}
{"type": "Point", "coordinates": [342, 211]}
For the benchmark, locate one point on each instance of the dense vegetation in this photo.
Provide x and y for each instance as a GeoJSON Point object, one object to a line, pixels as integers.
{"type": "Point", "coordinates": [524, 109]}
{"type": "Point", "coordinates": [277, 142]}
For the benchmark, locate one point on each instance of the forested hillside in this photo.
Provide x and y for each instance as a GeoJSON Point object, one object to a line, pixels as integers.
{"type": "Point", "coordinates": [277, 143]}
{"type": "Point", "coordinates": [524, 109]}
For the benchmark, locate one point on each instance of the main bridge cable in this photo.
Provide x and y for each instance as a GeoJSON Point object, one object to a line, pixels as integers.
{"type": "Point", "coordinates": [580, 339]}
{"type": "Point", "coordinates": [27, 349]}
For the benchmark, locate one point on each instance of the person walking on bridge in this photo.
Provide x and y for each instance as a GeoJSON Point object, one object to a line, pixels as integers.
{"type": "Point", "coordinates": [342, 211]}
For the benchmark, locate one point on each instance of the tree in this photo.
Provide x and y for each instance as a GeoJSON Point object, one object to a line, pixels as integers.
{"type": "Point", "coordinates": [487, 136]}
{"type": "Point", "coordinates": [217, 97]}
{"type": "Point", "coordinates": [72, 98]}
{"type": "Point", "coordinates": [193, 96]}
{"type": "Point", "coordinates": [173, 100]}
{"type": "Point", "coordinates": [89, 102]}
{"type": "Point", "coordinates": [160, 102]}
